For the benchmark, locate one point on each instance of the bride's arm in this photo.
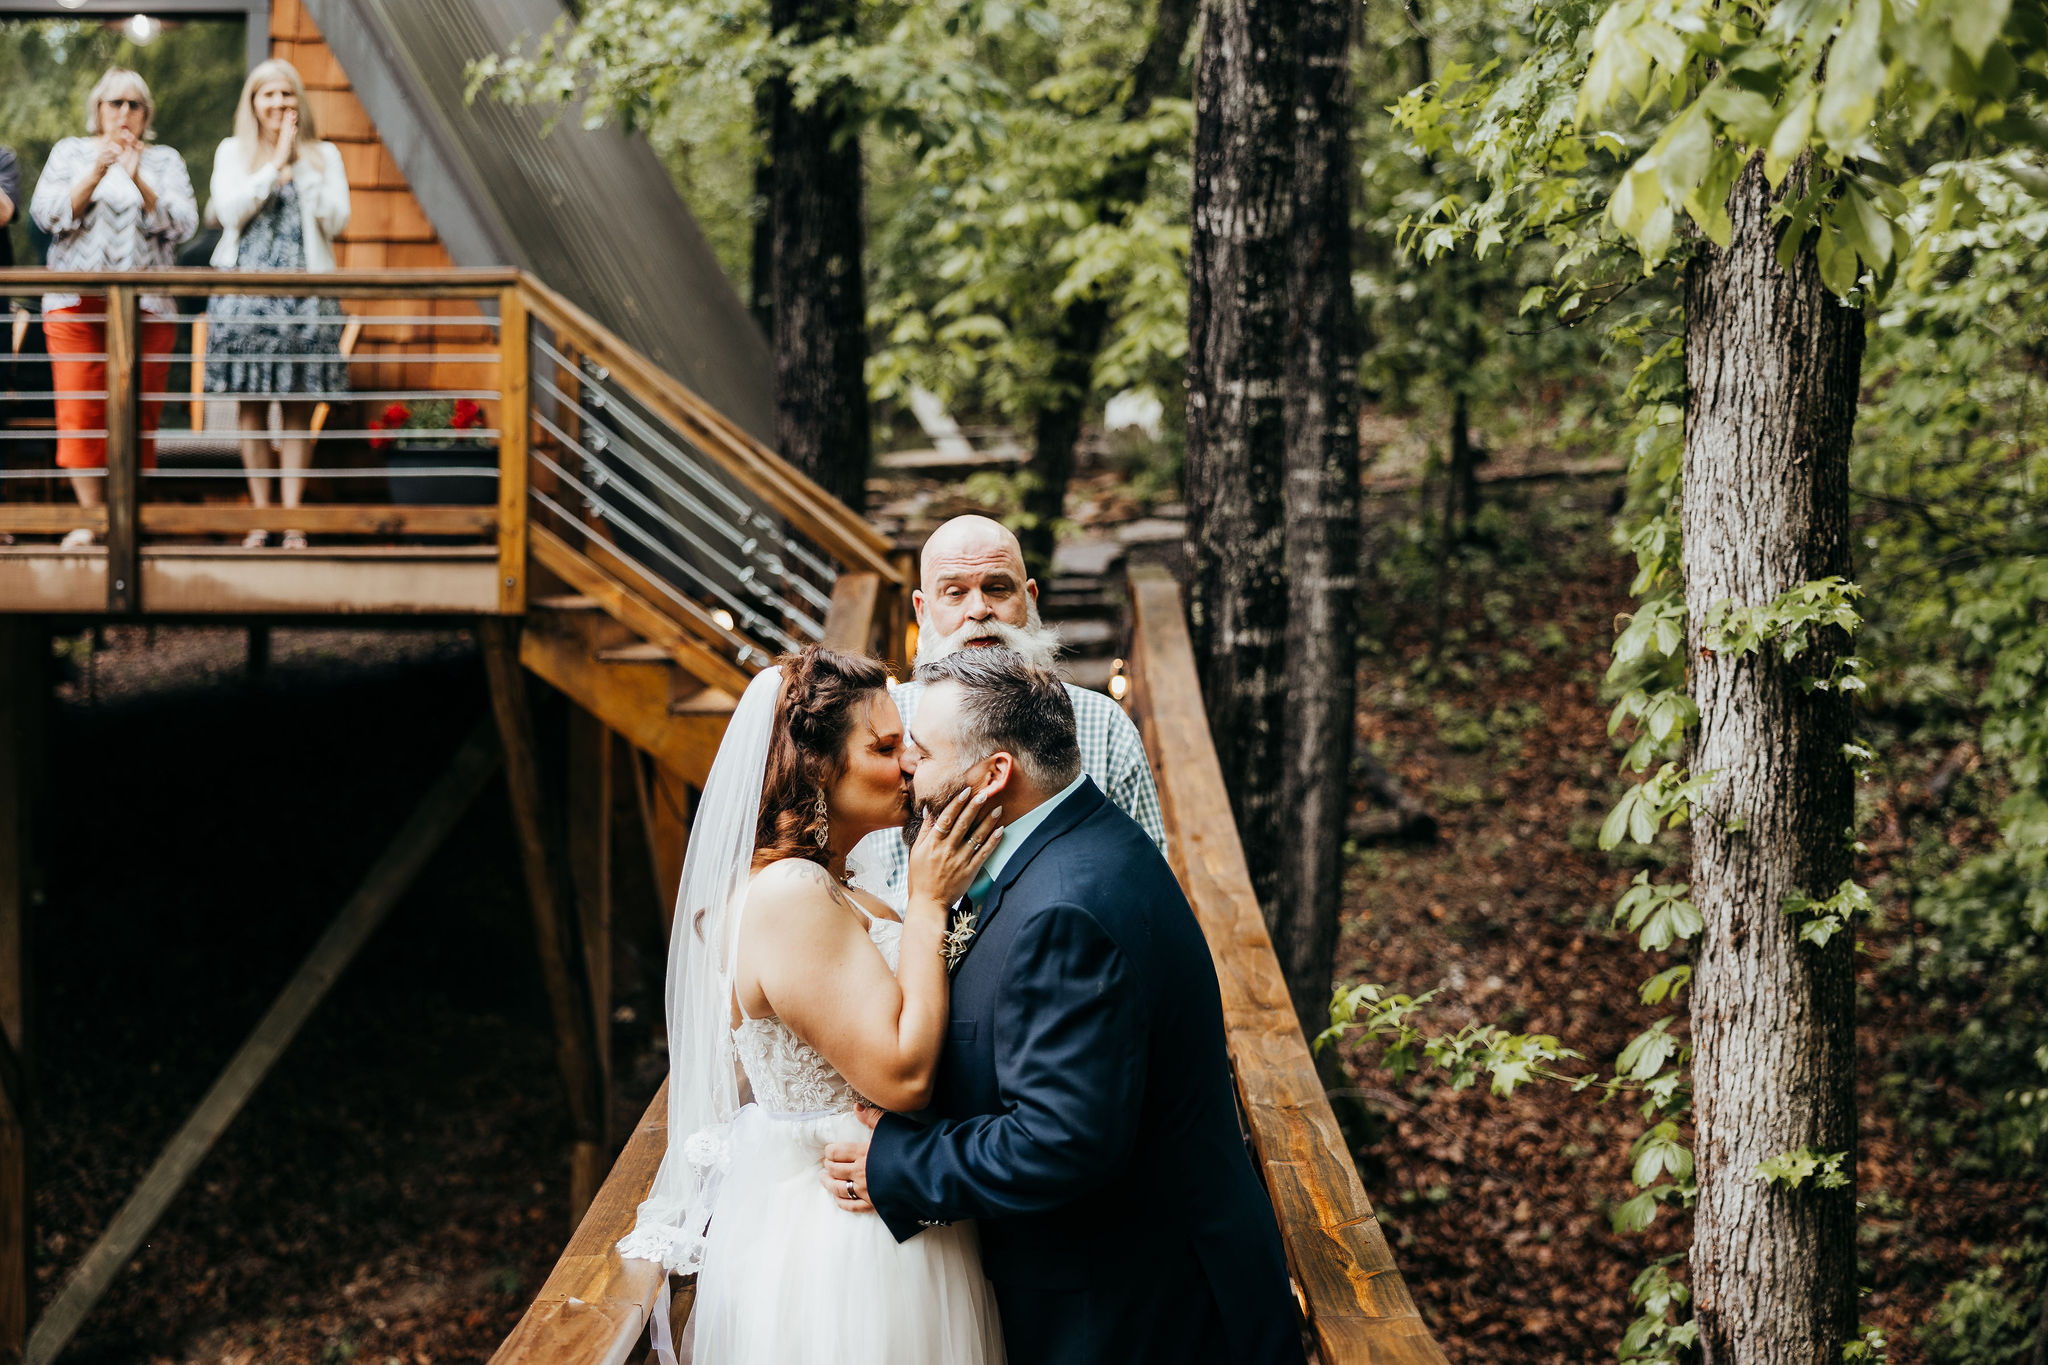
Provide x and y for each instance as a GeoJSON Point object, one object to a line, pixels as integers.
{"type": "Point", "coordinates": [821, 974]}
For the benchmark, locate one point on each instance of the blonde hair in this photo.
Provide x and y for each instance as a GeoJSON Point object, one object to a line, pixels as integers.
{"type": "Point", "coordinates": [117, 79]}
{"type": "Point", "coordinates": [249, 133]}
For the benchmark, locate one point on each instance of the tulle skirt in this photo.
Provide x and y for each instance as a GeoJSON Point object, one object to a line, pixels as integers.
{"type": "Point", "coordinates": [789, 1278]}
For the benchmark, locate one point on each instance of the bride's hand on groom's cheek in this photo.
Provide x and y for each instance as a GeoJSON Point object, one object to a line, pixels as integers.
{"type": "Point", "coordinates": [846, 1170]}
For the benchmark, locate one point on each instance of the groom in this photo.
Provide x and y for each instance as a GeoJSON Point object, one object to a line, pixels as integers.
{"type": "Point", "coordinates": [1084, 1111]}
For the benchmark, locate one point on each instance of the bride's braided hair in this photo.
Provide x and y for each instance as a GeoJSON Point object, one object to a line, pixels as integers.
{"type": "Point", "coordinates": [822, 690]}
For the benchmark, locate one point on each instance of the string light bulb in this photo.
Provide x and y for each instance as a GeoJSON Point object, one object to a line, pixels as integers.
{"type": "Point", "coordinates": [142, 29]}
{"type": "Point", "coordinates": [1118, 683]}
{"type": "Point", "coordinates": [723, 617]}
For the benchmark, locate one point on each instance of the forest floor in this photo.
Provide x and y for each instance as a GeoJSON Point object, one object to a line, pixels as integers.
{"type": "Point", "coordinates": [394, 1192]}
{"type": "Point", "coordinates": [396, 1189]}
{"type": "Point", "coordinates": [1498, 1208]}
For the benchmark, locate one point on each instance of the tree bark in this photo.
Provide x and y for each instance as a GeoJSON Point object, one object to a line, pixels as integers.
{"type": "Point", "coordinates": [1239, 266]}
{"type": "Point", "coordinates": [1056, 429]}
{"type": "Point", "coordinates": [820, 302]}
{"type": "Point", "coordinates": [1771, 370]}
{"type": "Point", "coordinates": [1321, 517]}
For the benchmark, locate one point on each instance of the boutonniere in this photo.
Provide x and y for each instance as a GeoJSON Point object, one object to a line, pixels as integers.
{"type": "Point", "coordinates": [958, 937]}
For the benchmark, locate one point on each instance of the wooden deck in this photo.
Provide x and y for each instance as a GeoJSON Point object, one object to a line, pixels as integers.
{"type": "Point", "coordinates": [181, 581]}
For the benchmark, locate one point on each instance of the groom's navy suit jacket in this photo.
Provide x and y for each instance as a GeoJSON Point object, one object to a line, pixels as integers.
{"type": "Point", "coordinates": [1084, 1114]}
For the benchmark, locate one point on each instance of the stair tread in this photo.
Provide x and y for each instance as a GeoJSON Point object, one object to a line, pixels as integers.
{"type": "Point", "coordinates": [566, 602]}
{"type": "Point", "coordinates": [711, 701]}
{"type": "Point", "coordinates": [642, 653]}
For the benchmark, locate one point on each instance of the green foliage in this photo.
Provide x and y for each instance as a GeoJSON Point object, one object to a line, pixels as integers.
{"type": "Point", "coordinates": [1793, 1169]}
{"type": "Point", "coordinates": [1821, 920]}
{"type": "Point", "coordinates": [1990, 1318]}
{"type": "Point", "coordinates": [990, 130]}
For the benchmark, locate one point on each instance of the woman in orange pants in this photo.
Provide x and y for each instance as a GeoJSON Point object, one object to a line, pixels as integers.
{"type": "Point", "coordinates": [110, 201]}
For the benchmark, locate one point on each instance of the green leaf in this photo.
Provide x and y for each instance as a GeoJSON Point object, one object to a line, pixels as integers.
{"type": "Point", "coordinates": [1683, 152]}
{"type": "Point", "coordinates": [1976, 24]}
{"type": "Point", "coordinates": [1790, 139]}
{"type": "Point", "coordinates": [1855, 75]}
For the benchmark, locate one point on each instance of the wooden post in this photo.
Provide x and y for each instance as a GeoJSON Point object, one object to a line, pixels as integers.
{"type": "Point", "coordinates": [395, 869]}
{"type": "Point", "coordinates": [514, 427]}
{"type": "Point", "coordinates": [900, 612]}
{"type": "Point", "coordinates": [549, 893]}
{"type": "Point", "coordinates": [24, 691]}
{"type": "Point", "coordinates": [590, 869]}
{"type": "Point", "coordinates": [636, 903]}
{"type": "Point", "coordinates": [124, 448]}
{"type": "Point", "coordinates": [665, 815]}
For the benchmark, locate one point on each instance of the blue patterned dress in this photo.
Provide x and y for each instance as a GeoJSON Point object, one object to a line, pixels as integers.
{"type": "Point", "coordinates": [258, 344]}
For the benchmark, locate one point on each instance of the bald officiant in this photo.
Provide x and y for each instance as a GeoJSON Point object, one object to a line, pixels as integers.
{"type": "Point", "coordinates": [973, 593]}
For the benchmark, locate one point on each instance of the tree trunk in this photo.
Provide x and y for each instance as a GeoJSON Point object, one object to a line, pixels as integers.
{"type": "Point", "coordinates": [1085, 321]}
{"type": "Point", "coordinates": [1238, 273]}
{"type": "Point", "coordinates": [1771, 372]}
{"type": "Point", "coordinates": [1321, 518]}
{"type": "Point", "coordinates": [761, 265]}
{"type": "Point", "coordinates": [820, 322]}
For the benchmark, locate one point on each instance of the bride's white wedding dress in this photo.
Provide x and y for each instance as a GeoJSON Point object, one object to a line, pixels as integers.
{"type": "Point", "coordinates": [790, 1278]}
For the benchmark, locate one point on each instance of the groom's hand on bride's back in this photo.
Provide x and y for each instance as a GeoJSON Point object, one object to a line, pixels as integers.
{"type": "Point", "coordinates": [846, 1167]}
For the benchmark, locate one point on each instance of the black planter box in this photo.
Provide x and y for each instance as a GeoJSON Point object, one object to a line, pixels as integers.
{"type": "Point", "coordinates": [409, 489]}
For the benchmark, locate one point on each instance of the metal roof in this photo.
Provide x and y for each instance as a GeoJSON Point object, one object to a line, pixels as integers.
{"type": "Point", "coordinates": [591, 212]}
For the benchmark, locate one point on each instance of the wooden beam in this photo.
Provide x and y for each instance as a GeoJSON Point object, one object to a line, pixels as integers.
{"type": "Point", "coordinates": [637, 912]}
{"type": "Point", "coordinates": [666, 808]}
{"type": "Point", "coordinates": [1358, 1307]}
{"type": "Point", "coordinates": [123, 484]}
{"type": "Point", "coordinates": [395, 869]}
{"type": "Point", "coordinates": [590, 871]}
{"type": "Point", "coordinates": [205, 518]}
{"type": "Point", "coordinates": [549, 893]}
{"type": "Point", "coordinates": [24, 699]}
{"type": "Point", "coordinates": [594, 1306]}
{"type": "Point", "coordinates": [448, 282]}
{"type": "Point", "coordinates": [850, 624]}
{"type": "Point", "coordinates": [514, 426]}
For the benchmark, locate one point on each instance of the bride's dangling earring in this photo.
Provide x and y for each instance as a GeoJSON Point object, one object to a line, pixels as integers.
{"type": "Point", "coordinates": [824, 814]}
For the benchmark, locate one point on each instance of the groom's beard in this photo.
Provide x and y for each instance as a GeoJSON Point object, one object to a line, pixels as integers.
{"type": "Point", "coordinates": [923, 808]}
{"type": "Point", "coordinates": [1038, 642]}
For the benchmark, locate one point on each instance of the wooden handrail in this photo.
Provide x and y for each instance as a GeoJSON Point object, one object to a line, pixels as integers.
{"type": "Point", "coordinates": [1358, 1307]}
{"type": "Point", "coordinates": [452, 282]}
{"type": "Point", "coordinates": [594, 1306]}
{"type": "Point", "coordinates": [787, 491]}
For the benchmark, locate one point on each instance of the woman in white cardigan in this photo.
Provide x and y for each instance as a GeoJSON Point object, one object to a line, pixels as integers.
{"type": "Point", "coordinates": [281, 196]}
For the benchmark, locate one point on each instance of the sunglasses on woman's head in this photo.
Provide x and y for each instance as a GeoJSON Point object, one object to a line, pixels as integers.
{"type": "Point", "coordinates": [124, 105]}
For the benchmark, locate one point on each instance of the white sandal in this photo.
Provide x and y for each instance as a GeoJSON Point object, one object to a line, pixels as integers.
{"type": "Point", "coordinates": [294, 540]}
{"type": "Point", "coordinates": [255, 540]}
{"type": "Point", "coordinates": [77, 540]}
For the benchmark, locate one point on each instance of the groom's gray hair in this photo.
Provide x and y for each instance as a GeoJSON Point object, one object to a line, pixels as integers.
{"type": "Point", "coordinates": [1013, 705]}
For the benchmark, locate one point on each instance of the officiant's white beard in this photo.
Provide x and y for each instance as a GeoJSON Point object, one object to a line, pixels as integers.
{"type": "Point", "coordinates": [1038, 642]}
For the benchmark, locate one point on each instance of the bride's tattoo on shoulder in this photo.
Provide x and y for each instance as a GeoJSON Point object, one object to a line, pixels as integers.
{"type": "Point", "coordinates": [808, 871]}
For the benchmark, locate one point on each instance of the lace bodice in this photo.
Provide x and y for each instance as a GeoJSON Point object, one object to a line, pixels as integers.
{"type": "Point", "coordinates": [788, 1074]}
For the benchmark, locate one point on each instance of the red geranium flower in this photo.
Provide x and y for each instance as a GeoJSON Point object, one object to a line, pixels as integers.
{"type": "Point", "coordinates": [469, 414]}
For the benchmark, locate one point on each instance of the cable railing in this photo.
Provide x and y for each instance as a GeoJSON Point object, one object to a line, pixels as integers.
{"type": "Point", "coordinates": [535, 453]}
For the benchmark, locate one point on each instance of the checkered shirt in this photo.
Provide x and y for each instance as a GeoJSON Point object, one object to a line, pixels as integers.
{"type": "Point", "coordinates": [1111, 753]}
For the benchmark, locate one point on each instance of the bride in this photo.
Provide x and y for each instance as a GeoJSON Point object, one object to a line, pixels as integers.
{"type": "Point", "coordinates": [785, 982]}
